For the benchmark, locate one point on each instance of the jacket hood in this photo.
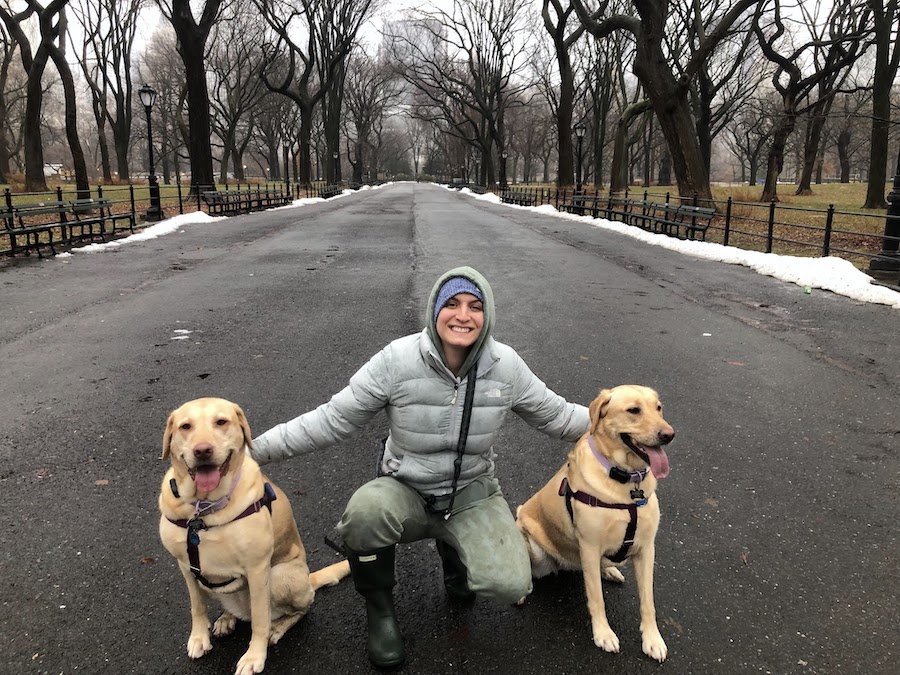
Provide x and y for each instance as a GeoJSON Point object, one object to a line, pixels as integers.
{"type": "Point", "coordinates": [487, 328]}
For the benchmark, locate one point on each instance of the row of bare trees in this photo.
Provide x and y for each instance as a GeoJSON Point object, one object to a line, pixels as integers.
{"type": "Point", "coordinates": [676, 77]}
{"type": "Point", "coordinates": [480, 88]}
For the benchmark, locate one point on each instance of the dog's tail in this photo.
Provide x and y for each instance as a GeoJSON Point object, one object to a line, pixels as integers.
{"type": "Point", "coordinates": [329, 576]}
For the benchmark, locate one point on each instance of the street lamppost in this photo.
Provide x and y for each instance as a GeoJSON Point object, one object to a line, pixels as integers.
{"type": "Point", "coordinates": [148, 97]}
{"type": "Point", "coordinates": [580, 130]}
{"type": "Point", "coordinates": [888, 258]}
{"type": "Point", "coordinates": [334, 156]}
{"type": "Point", "coordinates": [503, 181]}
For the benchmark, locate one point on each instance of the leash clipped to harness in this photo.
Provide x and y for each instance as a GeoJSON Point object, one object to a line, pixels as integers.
{"type": "Point", "coordinates": [565, 490]}
{"type": "Point", "coordinates": [195, 524]}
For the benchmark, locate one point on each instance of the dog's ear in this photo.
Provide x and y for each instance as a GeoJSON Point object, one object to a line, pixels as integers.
{"type": "Point", "coordinates": [598, 408]}
{"type": "Point", "coordinates": [245, 426]}
{"type": "Point", "coordinates": [167, 436]}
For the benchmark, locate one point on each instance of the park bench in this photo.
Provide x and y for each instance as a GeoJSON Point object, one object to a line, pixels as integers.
{"type": "Point", "coordinates": [271, 197]}
{"type": "Point", "coordinates": [227, 202]}
{"type": "Point", "coordinates": [329, 191]}
{"type": "Point", "coordinates": [519, 197]}
{"type": "Point", "coordinates": [96, 213]}
{"type": "Point", "coordinates": [684, 221]}
{"type": "Point", "coordinates": [580, 202]}
{"type": "Point", "coordinates": [232, 202]}
{"type": "Point", "coordinates": [37, 223]}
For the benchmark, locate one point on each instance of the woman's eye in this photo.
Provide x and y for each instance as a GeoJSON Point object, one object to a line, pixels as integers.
{"type": "Point", "coordinates": [477, 308]}
{"type": "Point", "coordinates": [634, 411]}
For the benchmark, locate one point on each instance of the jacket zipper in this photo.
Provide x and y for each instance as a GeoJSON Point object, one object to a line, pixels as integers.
{"type": "Point", "coordinates": [455, 393]}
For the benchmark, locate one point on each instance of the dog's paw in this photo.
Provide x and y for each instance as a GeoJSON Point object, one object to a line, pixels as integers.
{"type": "Point", "coordinates": [198, 645]}
{"type": "Point", "coordinates": [613, 574]}
{"type": "Point", "coordinates": [225, 624]}
{"type": "Point", "coordinates": [606, 639]}
{"type": "Point", "coordinates": [251, 663]}
{"type": "Point", "coordinates": [655, 646]}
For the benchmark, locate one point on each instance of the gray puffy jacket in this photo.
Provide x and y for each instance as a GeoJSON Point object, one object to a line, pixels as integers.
{"type": "Point", "coordinates": [424, 400]}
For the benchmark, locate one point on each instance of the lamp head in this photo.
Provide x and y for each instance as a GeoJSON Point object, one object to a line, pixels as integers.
{"type": "Point", "coordinates": [147, 95]}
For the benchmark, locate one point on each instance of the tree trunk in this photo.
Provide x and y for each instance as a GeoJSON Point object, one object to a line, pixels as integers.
{"type": "Point", "coordinates": [618, 178]}
{"type": "Point", "coordinates": [31, 125]}
{"type": "Point", "coordinates": [670, 102]}
{"type": "Point", "coordinates": [886, 66]}
{"type": "Point", "coordinates": [817, 115]}
{"type": "Point", "coordinates": [843, 148]}
{"type": "Point", "coordinates": [775, 163]}
{"type": "Point", "coordinates": [79, 165]}
{"type": "Point", "coordinates": [191, 46]}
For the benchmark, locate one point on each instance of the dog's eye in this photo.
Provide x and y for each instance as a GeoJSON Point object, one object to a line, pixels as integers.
{"type": "Point", "coordinates": [634, 411]}
{"type": "Point", "coordinates": [221, 423]}
{"type": "Point", "coordinates": [186, 426]}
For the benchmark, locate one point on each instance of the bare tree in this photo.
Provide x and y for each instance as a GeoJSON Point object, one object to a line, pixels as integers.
{"type": "Point", "coordinates": [467, 64]}
{"type": "Point", "coordinates": [234, 64]}
{"type": "Point", "coordinates": [12, 95]}
{"type": "Point", "coordinates": [667, 89]}
{"type": "Point", "coordinates": [565, 31]}
{"type": "Point", "coordinates": [161, 64]}
{"type": "Point", "coordinates": [886, 15]}
{"type": "Point", "coordinates": [313, 38]}
{"type": "Point", "coordinates": [722, 82]}
{"type": "Point", "coordinates": [371, 89]}
{"type": "Point", "coordinates": [34, 63]}
{"type": "Point", "coordinates": [109, 29]}
{"type": "Point", "coordinates": [748, 134]}
{"type": "Point", "coordinates": [830, 53]}
{"type": "Point", "coordinates": [193, 35]}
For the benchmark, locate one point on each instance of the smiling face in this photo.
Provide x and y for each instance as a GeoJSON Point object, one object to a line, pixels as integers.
{"type": "Point", "coordinates": [459, 323]}
{"type": "Point", "coordinates": [205, 438]}
{"type": "Point", "coordinates": [630, 417]}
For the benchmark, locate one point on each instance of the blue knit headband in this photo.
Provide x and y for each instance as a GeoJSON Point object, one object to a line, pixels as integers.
{"type": "Point", "coordinates": [455, 286]}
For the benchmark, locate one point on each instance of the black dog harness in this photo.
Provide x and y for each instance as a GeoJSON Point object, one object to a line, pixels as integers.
{"type": "Point", "coordinates": [195, 524]}
{"type": "Point", "coordinates": [566, 491]}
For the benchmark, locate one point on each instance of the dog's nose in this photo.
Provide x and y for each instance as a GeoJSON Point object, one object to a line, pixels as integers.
{"type": "Point", "coordinates": [666, 435]}
{"type": "Point", "coordinates": [203, 451]}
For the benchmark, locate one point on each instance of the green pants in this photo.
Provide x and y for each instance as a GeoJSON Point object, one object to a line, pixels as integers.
{"type": "Point", "coordinates": [482, 529]}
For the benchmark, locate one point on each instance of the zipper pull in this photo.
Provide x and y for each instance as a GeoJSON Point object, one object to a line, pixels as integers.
{"type": "Point", "coordinates": [455, 392]}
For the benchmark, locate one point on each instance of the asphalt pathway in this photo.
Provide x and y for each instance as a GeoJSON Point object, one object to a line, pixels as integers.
{"type": "Point", "coordinates": [777, 551]}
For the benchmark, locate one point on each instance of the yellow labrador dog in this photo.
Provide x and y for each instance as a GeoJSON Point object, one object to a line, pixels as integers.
{"type": "Point", "coordinates": [232, 532]}
{"type": "Point", "coordinates": [601, 508]}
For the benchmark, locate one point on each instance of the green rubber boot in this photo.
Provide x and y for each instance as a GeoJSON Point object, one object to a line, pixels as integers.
{"type": "Point", "coordinates": [373, 576]}
{"type": "Point", "coordinates": [456, 580]}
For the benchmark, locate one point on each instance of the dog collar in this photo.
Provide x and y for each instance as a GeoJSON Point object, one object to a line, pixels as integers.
{"type": "Point", "coordinates": [206, 507]}
{"type": "Point", "coordinates": [617, 473]}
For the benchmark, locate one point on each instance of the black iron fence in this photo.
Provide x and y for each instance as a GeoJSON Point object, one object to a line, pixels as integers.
{"type": "Point", "coordinates": [43, 222]}
{"type": "Point", "coordinates": [767, 227]}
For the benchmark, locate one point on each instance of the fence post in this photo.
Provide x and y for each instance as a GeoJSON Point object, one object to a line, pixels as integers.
{"type": "Point", "coordinates": [727, 220]}
{"type": "Point", "coordinates": [197, 192]}
{"type": "Point", "coordinates": [771, 235]}
{"type": "Point", "coordinates": [131, 196]}
{"type": "Point", "coordinates": [180, 202]}
{"type": "Point", "coordinates": [829, 223]}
